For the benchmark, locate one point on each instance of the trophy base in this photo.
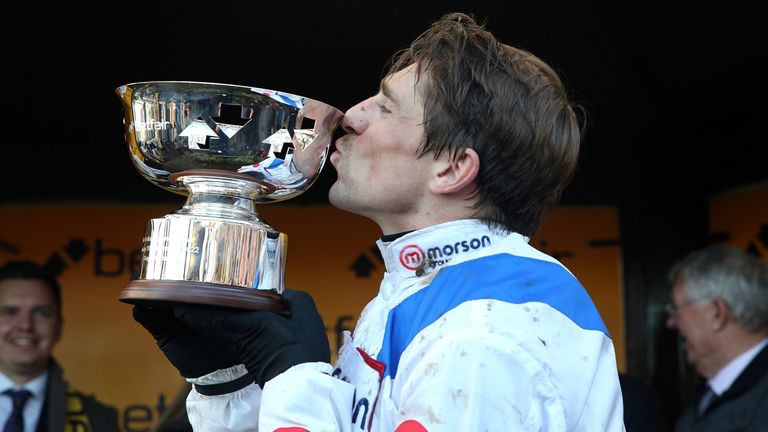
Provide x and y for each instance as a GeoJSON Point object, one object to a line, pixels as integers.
{"type": "Point", "coordinates": [156, 292]}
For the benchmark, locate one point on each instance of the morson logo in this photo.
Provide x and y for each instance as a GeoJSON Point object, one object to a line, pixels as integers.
{"type": "Point", "coordinates": [412, 256]}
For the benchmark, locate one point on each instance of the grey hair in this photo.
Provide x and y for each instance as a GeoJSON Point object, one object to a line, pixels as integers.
{"type": "Point", "coordinates": [737, 277]}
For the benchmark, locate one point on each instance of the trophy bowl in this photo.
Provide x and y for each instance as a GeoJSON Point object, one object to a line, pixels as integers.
{"type": "Point", "coordinates": [227, 148]}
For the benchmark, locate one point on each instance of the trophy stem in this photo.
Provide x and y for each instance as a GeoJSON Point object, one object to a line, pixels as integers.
{"type": "Point", "coordinates": [221, 194]}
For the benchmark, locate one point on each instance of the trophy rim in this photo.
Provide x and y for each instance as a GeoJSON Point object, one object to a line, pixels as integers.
{"type": "Point", "coordinates": [134, 84]}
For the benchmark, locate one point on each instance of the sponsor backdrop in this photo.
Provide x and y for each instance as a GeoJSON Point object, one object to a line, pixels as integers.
{"type": "Point", "coordinates": [739, 218]}
{"type": "Point", "coordinates": [331, 254]}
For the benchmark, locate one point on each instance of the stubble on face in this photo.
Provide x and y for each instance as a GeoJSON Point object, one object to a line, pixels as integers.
{"type": "Point", "coordinates": [379, 173]}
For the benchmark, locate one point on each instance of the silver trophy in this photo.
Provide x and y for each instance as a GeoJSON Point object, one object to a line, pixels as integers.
{"type": "Point", "coordinates": [227, 148]}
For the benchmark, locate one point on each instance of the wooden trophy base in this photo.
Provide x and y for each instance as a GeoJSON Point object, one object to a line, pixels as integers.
{"type": "Point", "coordinates": [160, 292]}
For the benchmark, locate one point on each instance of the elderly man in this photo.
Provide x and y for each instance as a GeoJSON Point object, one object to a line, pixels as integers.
{"type": "Point", "coordinates": [720, 308]}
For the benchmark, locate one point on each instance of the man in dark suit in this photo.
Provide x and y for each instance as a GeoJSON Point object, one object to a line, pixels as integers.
{"type": "Point", "coordinates": [720, 308]}
{"type": "Point", "coordinates": [33, 393]}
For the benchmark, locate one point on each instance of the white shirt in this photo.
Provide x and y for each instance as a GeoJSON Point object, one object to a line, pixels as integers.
{"type": "Point", "coordinates": [471, 330]}
{"type": "Point", "coordinates": [34, 405]}
{"type": "Point", "coordinates": [725, 377]}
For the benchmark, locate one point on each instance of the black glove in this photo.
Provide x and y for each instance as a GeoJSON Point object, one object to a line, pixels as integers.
{"type": "Point", "coordinates": [267, 343]}
{"type": "Point", "coordinates": [191, 353]}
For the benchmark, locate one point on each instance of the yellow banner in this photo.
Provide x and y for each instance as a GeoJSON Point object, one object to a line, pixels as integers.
{"type": "Point", "coordinates": [739, 218]}
{"type": "Point", "coordinates": [331, 254]}
{"type": "Point", "coordinates": [587, 241]}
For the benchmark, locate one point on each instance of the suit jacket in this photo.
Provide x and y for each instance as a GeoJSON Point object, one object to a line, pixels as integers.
{"type": "Point", "coordinates": [743, 407]}
{"type": "Point", "coordinates": [68, 410]}
{"type": "Point", "coordinates": [642, 412]}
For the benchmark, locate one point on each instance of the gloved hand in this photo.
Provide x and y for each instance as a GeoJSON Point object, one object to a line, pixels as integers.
{"type": "Point", "coordinates": [267, 343]}
{"type": "Point", "coordinates": [190, 352]}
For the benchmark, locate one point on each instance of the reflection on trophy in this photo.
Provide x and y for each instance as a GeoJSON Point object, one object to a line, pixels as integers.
{"type": "Point", "coordinates": [228, 148]}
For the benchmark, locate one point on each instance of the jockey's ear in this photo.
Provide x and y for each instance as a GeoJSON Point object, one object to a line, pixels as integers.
{"type": "Point", "coordinates": [457, 174]}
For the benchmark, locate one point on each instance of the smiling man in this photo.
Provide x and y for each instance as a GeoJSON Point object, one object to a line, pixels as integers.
{"type": "Point", "coordinates": [457, 158]}
{"type": "Point", "coordinates": [720, 308]}
{"type": "Point", "coordinates": [33, 393]}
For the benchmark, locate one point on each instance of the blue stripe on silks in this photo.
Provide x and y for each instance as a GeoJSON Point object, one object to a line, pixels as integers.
{"type": "Point", "coordinates": [502, 277]}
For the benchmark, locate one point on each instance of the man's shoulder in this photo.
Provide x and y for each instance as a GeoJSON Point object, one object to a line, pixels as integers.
{"type": "Point", "coordinates": [80, 410]}
{"type": "Point", "coordinates": [516, 279]}
{"type": "Point", "coordinates": [748, 411]}
{"type": "Point", "coordinates": [87, 400]}
{"type": "Point", "coordinates": [86, 408]}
